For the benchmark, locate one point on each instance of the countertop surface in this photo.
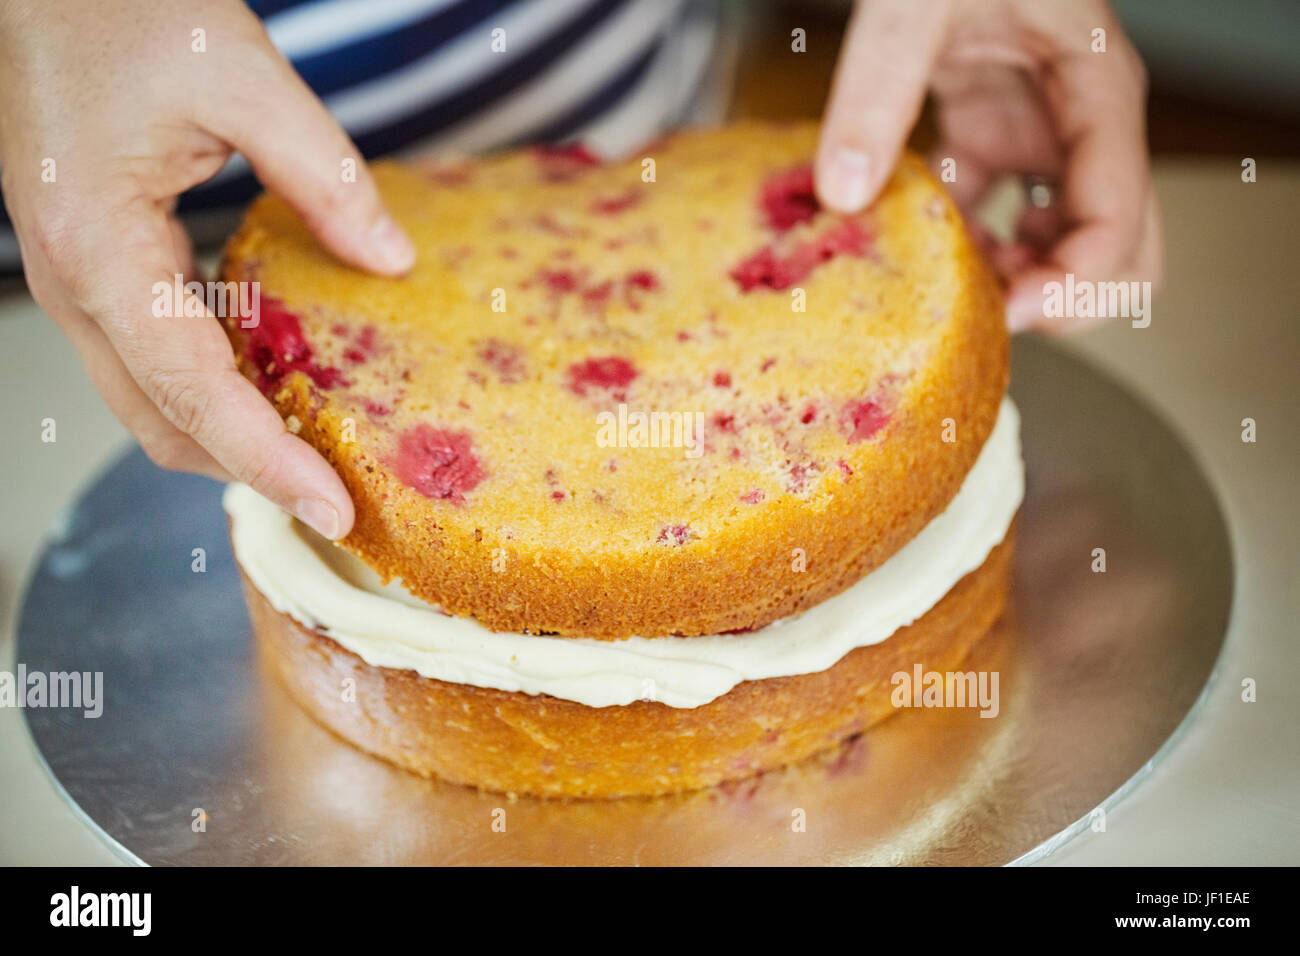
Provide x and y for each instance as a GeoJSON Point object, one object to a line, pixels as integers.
{"type": "Point", "coordinates": [1223, 345]}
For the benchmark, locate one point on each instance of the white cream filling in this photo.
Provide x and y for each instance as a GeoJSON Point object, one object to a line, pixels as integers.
{"type": "Point", "coordinates": [322, 586]}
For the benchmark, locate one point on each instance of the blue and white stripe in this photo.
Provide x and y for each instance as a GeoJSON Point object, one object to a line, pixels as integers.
{"type": "Point", "coordinates": [414, 75]}
{"type": "Point", "coordinates": [404, 76]}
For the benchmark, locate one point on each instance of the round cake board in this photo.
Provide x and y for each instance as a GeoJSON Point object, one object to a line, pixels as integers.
{"type": "Point", "coordinates": [198, 757]}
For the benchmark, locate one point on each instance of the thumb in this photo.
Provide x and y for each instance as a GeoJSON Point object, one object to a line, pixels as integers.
{"type": "Point", "coordinates": [299, 152]}
{"type": "Point", "coordinates": [880, 84]}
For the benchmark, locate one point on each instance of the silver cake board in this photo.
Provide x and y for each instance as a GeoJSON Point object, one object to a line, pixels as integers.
{"type": "Point", "coordinates": [200, 758]}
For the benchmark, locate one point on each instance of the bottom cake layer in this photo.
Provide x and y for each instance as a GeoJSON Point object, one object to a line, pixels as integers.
{"type": "Point", "coordinates": [535, 744]}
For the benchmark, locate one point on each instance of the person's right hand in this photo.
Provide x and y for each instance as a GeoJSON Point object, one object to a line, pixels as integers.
{"type": "Point", "coordinates": [112, 92]}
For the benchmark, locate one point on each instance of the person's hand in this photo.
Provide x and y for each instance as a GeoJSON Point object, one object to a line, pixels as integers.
{"type": "Point", "coordinates": [1018, 90]}
{"type": "Point", "coordinates": [108, 99]}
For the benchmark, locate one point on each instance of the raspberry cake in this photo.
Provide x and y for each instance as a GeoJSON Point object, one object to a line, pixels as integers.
{"type": "Point", "coordinates": [660, 470]}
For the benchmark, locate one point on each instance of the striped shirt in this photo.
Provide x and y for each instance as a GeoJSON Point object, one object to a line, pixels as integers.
{"type": "Point", "coordinates": [469, 76]}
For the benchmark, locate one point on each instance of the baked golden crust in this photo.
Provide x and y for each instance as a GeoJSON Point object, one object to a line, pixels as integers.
{"type": "Point", "coordinates": [824, 447]}
{"type": "Point", "coordinates": [517, 743]}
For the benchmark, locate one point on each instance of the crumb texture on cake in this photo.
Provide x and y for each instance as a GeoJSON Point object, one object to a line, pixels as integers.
{"type": "Point", "coordinates": [462, 404]}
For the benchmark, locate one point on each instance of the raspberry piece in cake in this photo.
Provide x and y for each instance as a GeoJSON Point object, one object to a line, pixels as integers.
{"type": "Point", "coordinates": [438, 462]}
{"type": "Point", "coordinates": [675, 534]}
{"type": "Point", "coordinates": [562, 163]}
{"type": "Point", "coordinates": [774, 269]}
{"type": "Point", "coordinates": [276, 347]}
{"type": "Point", "coordinates": [788, 198]}
{"type": "Point", "coordinates": [506, 360]}
{"type": "Point", "coordinates": [595, 297]}
{"type": "Point", "coordinates": [613, 205]}
{"type": "Point", "coordinates": [723, 422]}
{"type": "Point", "coordinates": [862, 418]}
{"type": "Point", "coordinates": [643, 279]}
{"type": "Point", "coordinates": [364, 347]}
{"type": "Point", "coordinates": [575, 153]}
{"type": "Point", "coordinates": [613, 373]}
{"type": "Point", "coordinates": [560, 280]}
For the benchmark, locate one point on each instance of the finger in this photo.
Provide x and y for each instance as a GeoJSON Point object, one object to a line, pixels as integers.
{"type": "Point", "coordinates": [1027, 302]}
{"type": "Point", "coordinates": [996, 116]}
{"type": "Point", "coordinates": [879, 86]}
{"type": "Point", "coordinates": [1107, 175]}
{"type": "Point", "coordinates": [1027, 292]}
{"type": "Point", "coordinates": [185, 367]}
{"type": "Point", "coordinates": [300, 153]}
{"type": "Point", "coordinates": [1108, 204]}
{"type": "Point", "coordinates": [1012, 258]}
{"type": "Point", "coordinates": [1040, 227]}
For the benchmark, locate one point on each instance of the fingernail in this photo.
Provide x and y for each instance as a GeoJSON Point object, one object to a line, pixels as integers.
{"type": "Point", "coordinates": [844, 179]}
{"type": "Point", "coordinates": [1024, 311]}
{"type": "Point", "coordinates": [392, 249]}
{"type": "Point", "coordinates": [319, 514]}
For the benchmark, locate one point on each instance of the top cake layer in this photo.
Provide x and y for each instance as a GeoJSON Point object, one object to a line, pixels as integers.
{"type": "Point", "coordinates": [665, 396]}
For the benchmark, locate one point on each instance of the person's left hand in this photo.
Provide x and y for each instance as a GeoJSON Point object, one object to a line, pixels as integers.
{"type": "Point", "coordinates": [1019, 90]}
